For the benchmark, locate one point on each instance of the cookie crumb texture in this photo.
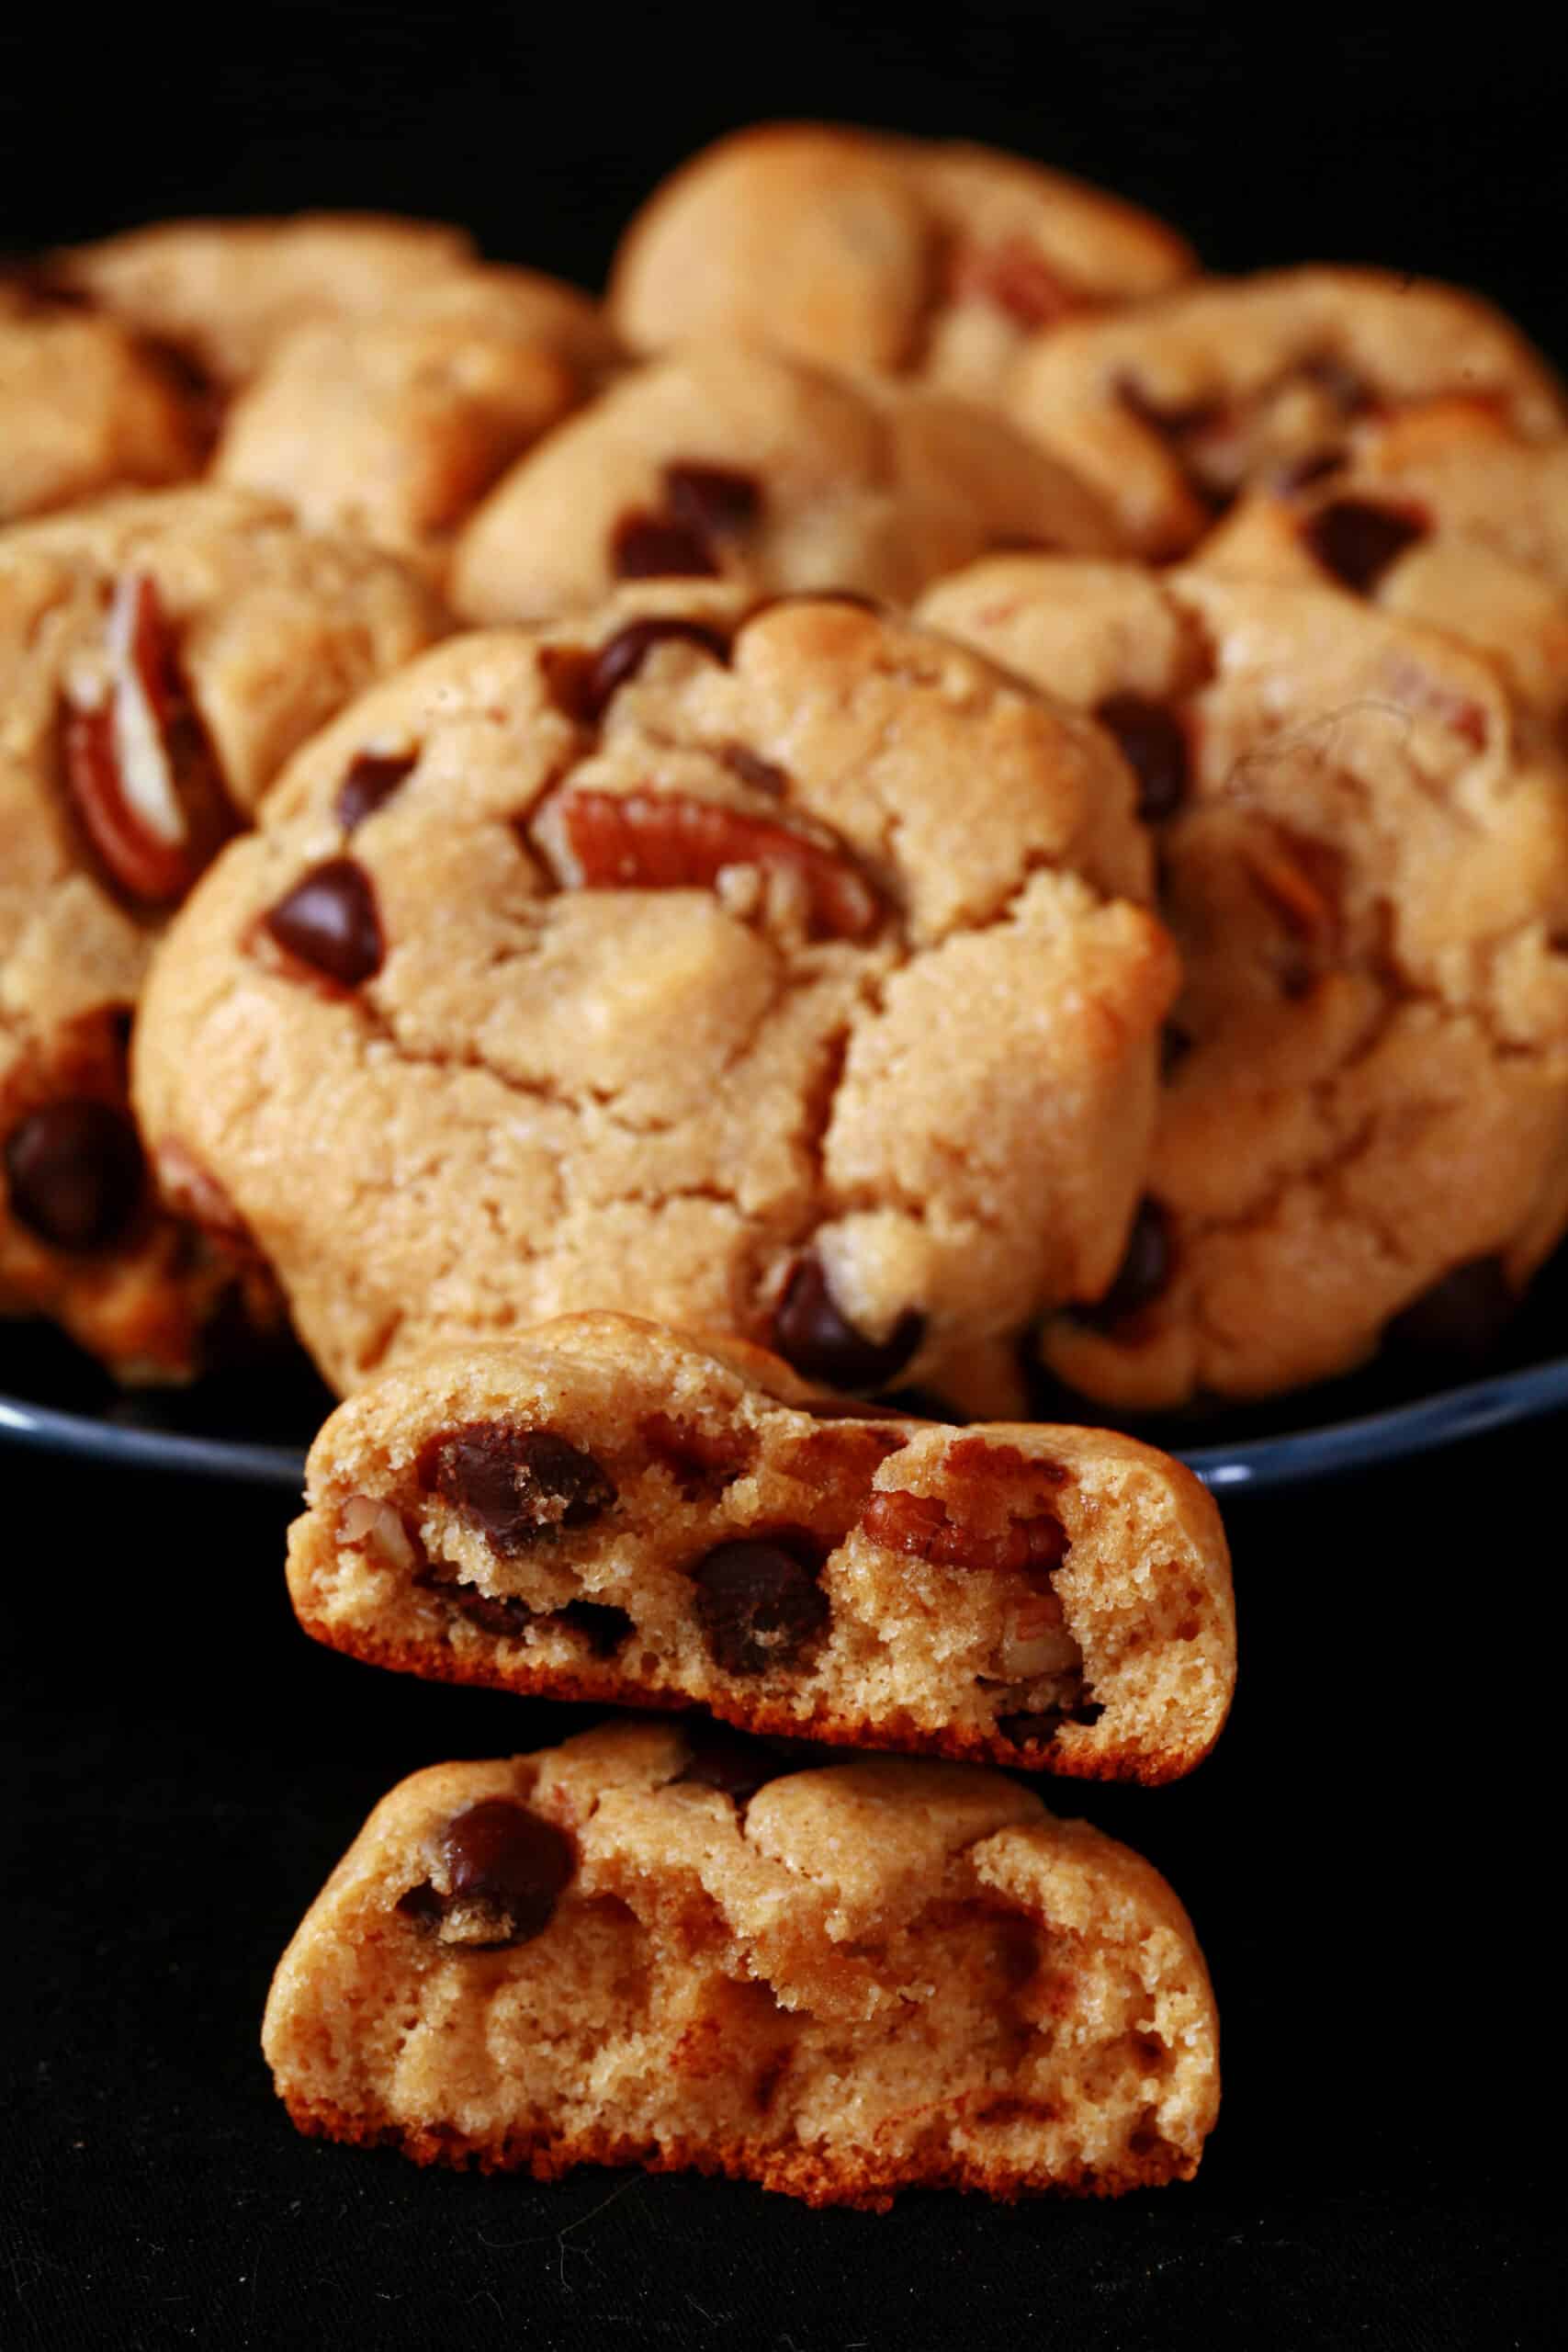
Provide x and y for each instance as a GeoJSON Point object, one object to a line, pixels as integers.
{"type": "Point", "coordinates": [777, 973]}
{"type": "Point", "coordinates": [161, 655]}
{"type": "Point", "coordinates": [1364, 859]}
{"type": "Point", "coordinates": [839, 1983]}
{"type": "Point", "coordinates": [606, 1509]}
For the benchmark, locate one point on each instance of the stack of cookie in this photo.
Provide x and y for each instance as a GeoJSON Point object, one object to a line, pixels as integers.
{"type": "Point", "coordinates": [924, 801]}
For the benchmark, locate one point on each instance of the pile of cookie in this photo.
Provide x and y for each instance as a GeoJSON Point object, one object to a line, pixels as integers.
{"type": "Point", "coordinates": [922, 801]}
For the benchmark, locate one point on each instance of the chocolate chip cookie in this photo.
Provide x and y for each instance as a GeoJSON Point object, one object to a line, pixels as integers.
{"type": "Point", "coordinates": [746, 465]}
{"type": "Point", "coordinates": [395, 425]}
{"type": "Point", "coordinates": [1175, 408]}
{"type": "Point", "coordinates": [1441, 514]}
{"type": "Point", "coordinates": [227, 292]}
{"type": "Point", "coordinates": [662, 1947]}
{"type": "Point", "coordinates": [83, 409]}
{"type": "Point", "coordinates": [1364, 852]}
{"type": "Point", "coordinates": [871, 252]}
{"type": "Point", "coordinates": [604, 1509]}
{"type": "Point", "coordinates": [778, 972]}
{"type": "Point", "coordinates": [160, 657]}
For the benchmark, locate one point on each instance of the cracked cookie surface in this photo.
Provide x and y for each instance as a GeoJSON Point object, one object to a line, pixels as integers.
{"type": "Point", "coordinates": [395, 425]}
{"type": "Point", "coordinates": [902, 256]}
{"type": "Point", "coordinates": [1364, 852]}
{"type": "Point", "coordinates": [1175, 408]}
{"type": "Point", "coordinates": [778, 973]}
{"type": "Point", "coordinates": [651, 1947]}
{"type": "Point", "coordinates": [160, 658]}
{"type": "Point", "coordinates": [1440, 516]}
{"type": "Point", "coordinates": [748, 466]}
{"type": "Point", "coordinates": [603, 1509]}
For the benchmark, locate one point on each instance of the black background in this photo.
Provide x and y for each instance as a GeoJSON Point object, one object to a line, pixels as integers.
{"type": "Point", "coordinates": [1370, 1858]}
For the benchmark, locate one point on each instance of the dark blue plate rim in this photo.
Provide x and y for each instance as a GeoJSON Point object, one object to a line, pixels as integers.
{"type": "Point", "coordinates": [1254, 1465]}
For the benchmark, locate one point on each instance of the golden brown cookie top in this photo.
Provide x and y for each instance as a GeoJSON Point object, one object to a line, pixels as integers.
{"type": "Point", "coordinates": [688, 941]}
{"type": "Point", "coordinates": [742, 464]}
{"type": "Point", "coordinates": [83, 409]}
{"type": "Point", "coordinates": [1364, 858]}
{"type": "Point", "coordinates": [865, 251]}
{"type": "Point", "coordinates": [1222, 386]}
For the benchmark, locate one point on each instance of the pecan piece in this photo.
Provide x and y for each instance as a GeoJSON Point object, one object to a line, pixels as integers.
{"type": "Point", "coordinates": [141, 770]}
{"type": "Point", "coordinates": [665, 841]}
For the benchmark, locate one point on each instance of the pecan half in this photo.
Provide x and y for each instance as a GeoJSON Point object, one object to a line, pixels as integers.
{"type": "Point", "coordinates": [659, 841]}
{"type": "Point", "coordinates": [139, 767]}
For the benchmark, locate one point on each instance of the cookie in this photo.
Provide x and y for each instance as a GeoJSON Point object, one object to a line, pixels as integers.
{"type": "Point", "coordinates": [161, 656]}
{"type": "Point", "coordinates": [1442, 515]}
{"type": "Point", "coordinates": [604, 1509]}
{"type": "Point", "coordinates": [227, 292]}
{"type": "Point", "coordinates": [83, 409]}
{"type": "Point", "coordinates": [898, 256]}
{"type": "Point", "coordinates": [395, 425]}
{"type": "Point", "coordinates": [1228, 384]}
{"type": "Point", "coordinates": [746, 465]}
{"type": "Point", "coordinates": [655, 1947]}
{"type": "Point", "coordinates": [1364, 852]}
{"type": "Point", "coordinates": [693, 962]}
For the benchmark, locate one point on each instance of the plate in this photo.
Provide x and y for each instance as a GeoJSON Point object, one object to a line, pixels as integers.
{"type": "Point", "coordinates": [253, 1427]}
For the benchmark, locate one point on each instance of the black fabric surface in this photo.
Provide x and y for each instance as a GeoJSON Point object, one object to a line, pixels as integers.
{"type": "Point", "coordinates": [1369, 1858]}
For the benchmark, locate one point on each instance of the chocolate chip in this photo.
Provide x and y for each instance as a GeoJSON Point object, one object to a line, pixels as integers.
{"type": "Point", "coordinates": [518, 1486]}
{"type": "Point", "coordinates": [648, 546]}
{"type": "Point", "coordinates": [504, 1615]}
{"type": "Point", "coordinates": [1152, 741]}
{"type": "Point", "coordinates": [737, 1768]}
{"type": "Point", "coordinates": [1143, 1272]}
{"type": "Point", "coordinates": [370, 783]}
{"type": "Point", "coordinates": [810, 1333]}
{"type": "Point", "coordinates": [761, 774]}
{"type": "Point", "coordinates": [1462, 1316]}
{"type": "Point", "coordinates": [329, 921]}
{"type": "Point", "coordinates": [76, 1174]}
{"type": "Point", "coordinates": [1356, 541]}
{"type": "Point", "coordinates": [712, 502]}
{"type": "Point", "coordinates": [758, 1605]}
{"type": "Point", "coordinates": [582, 684]}
{"type": "Point", "coordinates": [1029, 1731]}
{"type": "Point", "coordinates": [501, 1856]}
{"type": "Point", "coordinates": [604, 1628]}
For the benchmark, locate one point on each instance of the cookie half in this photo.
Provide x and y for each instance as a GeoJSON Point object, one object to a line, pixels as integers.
{"type": "Point", "coordinates": [1175, 409]}
{"type": "Point", "coordinates": [645, 1947]}
{"type": "Point", "coordinates": [672, 959]}
{"type": "Point", "coordinates": [1364, 859]}
{"type": "Point", "coordinates": [743, 464]}
{"type": "Point", "coordinates": [606, 1509]}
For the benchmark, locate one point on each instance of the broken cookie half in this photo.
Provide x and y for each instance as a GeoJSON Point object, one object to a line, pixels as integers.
{"type": "Point", "coordinates": [606, 1510]}
{"type": "Point", "coordinates": [640, 1948]}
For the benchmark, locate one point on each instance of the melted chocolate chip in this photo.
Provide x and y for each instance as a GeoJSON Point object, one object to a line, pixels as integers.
{"type": "Point", "coordinates": [712, 502]}
{"type": "Point", "coordinates": [810, 1333]}
{"type": "Point", "coordinates": [75, 1173]}
{"type": "Point", "coordinates": [583, 685]}
{"type": "Point", "coordinates": [758, 1605]}
{"type": "Point", "coordinates": [1029, 1731]}
{"type": "Point", "coordinates": [737, 1768]}
{"type": "Point", "coordinates": [752, 769]}
{"type": "Point", "coordinates": [1143, 1272]}
{"type": "Point", "coordinates": [518, 1486]}
{"type": "Point", "coordinates": [504, 1615]}
{"type": "Point", "coordinates": [499, 1854]}
{"type": "Point", "coordinates": [1357, 542]}
{"type": "Point", "coordinates": [370, 783]}
{"type": "Point", "coordinates": [1152, 741]}
{"type": "Point", "coordinates": [1462, 1316]}
{"type": "Point", "coordinates": [649, 546]}
{"type": "Point", "coordinates": [329, 921]}
{"type": "Point", "coordinates": [604, 1628]}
